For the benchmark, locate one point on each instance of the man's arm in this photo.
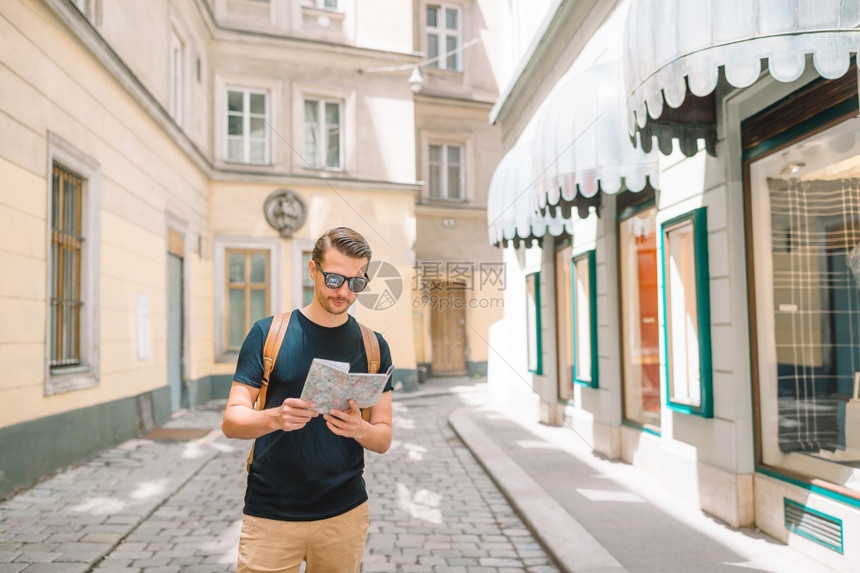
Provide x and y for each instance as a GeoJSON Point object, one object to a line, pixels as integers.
{"type": "Point", "coordinates": [242, 421]}
{"type": "Point", "coordinates": [374, 435]}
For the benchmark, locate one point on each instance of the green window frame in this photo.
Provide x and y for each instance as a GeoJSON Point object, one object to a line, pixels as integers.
{"type": "Point", "coordinates": [583, 276]}
{"type": "Point", "coordinates": [685, 395]}
{"type": "Point", "coordinates": [534, 349]}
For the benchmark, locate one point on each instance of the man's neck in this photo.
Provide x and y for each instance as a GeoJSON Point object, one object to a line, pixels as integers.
{"type": "Point", "coordinates": [322, 317]}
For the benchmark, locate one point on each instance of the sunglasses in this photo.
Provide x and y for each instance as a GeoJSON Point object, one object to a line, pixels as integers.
{"type": "Point", "coordinates": [335, 281]}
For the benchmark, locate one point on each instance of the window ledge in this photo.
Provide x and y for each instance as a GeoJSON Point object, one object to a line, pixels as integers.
{"type": "Point", "coordinates": [317, 11]}
{"type": "Point", "coordinates": [70, 379]}
{"type": "Point", "coordinates": [443, 73]}
{"type": "Point", "coordinates": [439, 201]}
{"type": "Point", "coordinates": [233, 162]}
{"type": "Point", "coordinates": [324, 171]}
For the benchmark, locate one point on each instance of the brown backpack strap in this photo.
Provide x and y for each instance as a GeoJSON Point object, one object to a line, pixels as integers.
{"type": "Point", "coordinates": [272, 346]}
{"type": "Point", "coordinates": [371, 348]}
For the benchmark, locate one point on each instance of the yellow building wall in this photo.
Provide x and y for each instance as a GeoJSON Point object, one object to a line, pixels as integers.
{"type": "Point", "coordinates": [385, 218]}
{"type": "Point", "coordinates": [54, 85]}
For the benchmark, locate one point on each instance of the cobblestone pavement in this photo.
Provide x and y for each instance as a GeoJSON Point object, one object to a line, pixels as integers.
{"type": "Point", "coordinates": [160, 506]}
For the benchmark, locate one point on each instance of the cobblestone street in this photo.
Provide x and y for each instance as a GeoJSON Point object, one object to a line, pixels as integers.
{"type": "Point", "coordinates": [159, 505]}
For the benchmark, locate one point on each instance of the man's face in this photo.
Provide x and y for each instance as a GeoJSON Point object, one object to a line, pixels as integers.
{"type": "Point", "coordinates": [336, 301]}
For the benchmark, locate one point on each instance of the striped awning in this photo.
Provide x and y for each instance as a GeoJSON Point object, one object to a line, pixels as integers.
{"type": "Point", "coordinates": [581, 145]}
{"type": "Point", "coordinates": [674, 50]}
{"type": "Point", "coordinates": [511, 218]}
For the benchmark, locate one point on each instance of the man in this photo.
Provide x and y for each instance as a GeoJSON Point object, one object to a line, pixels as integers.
{"type": "Point", "coordinates": [306, 498]}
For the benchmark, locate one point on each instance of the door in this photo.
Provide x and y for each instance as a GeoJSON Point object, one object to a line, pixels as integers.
{"type": "Point", "coordinates": [448, 330]}
{"type": "Point", "coordinates": [174, 330]}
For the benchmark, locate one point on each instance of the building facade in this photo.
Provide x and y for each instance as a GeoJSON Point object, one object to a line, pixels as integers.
{"type": "Point", "coordinates": [458, 281]}
{"type": "Point", "coordinates": [167, 167]}
{"type": "Point", "coordinates": [683, 249]}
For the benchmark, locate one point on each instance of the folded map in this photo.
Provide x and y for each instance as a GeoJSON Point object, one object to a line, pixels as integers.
{"type": "Point", "coordinates": [331, 385]}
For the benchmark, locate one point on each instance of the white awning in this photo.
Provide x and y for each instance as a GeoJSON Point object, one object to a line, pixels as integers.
{"type": "Point", "coordinates": [581, 144]}
{"type": "Point", "coordinates": [511, 217]}
{"type": "Point", "coordinates": [672, 46]}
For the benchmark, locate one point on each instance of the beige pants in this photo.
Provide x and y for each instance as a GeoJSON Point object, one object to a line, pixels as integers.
{"type": "Point", "coordinates": [334, 545]}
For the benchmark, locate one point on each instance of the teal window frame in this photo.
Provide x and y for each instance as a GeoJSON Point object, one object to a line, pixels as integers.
{"type": "Point", "coordinates": [537, 366]}
{"type": "Point", "coordinates": [705, 408]}
{"type": "Point", "coordinates": [592, 318]}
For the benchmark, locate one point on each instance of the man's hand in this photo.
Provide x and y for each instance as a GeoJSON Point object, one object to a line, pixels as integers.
{"type": "Point", "coordinates": [293, 414]}
{"type": "Point", "coordinates": [346, 423]}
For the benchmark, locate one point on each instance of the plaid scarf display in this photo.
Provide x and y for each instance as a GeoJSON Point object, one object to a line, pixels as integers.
{"type": "Point", "coordinates": [815, 233]}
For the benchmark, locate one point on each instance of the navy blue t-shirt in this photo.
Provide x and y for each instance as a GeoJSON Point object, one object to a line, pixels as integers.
{"type": "Point", "coordinates": [311, 473]}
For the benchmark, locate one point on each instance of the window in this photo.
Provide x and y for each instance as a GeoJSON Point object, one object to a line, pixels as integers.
{"type": "Point", "coordinates": [804, 222]}
{"type": "Point", "coordinates": [307, 281]}
{"type": "Point", "coordinates": [247, 293]}
{"type": "Point", "coordinates": [66, 255]}
{"type": "Point", "coordinates": [564, 318]}
{"type": "Point", "coordinates": [444, 37]}
{"type": "Point", "coordinates": [72, 320]}
{"type": "Point", "coordinates": [686, 304]}
{"type": "Point", "coordinates": [248, 287]}
{"type": "Point", "coordinates": [323, 134]}
{"type": "Point", "coordinates": [533, 339]}
{"type": "Point", "coordinates": [640, 332]}
{"type": "Point", "coordinates": [247, 129]}
{"type": "Point", "coordinates": [585, 320]}
{"type": "Point", "coordinates": [176, 79]}
{"type": "Point", "coordinates": [445, 172]}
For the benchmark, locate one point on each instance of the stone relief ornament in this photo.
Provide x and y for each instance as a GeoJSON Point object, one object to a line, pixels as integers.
{"type": "Point", "coordinates": [285, 211]}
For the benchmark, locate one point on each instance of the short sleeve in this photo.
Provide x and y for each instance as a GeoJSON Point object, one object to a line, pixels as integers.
{"type": "Point", "coordinates": [249, 366]}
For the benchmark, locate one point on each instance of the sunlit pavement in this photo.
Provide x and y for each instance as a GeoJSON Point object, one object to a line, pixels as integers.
{"type": "Point", "coordinates": [175, 505]}
{"type": "Point", "coordinates": [472, 484]}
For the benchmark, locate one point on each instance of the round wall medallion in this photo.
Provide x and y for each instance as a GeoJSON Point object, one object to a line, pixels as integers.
{"type": "Point", "coordinates": [285, 211]}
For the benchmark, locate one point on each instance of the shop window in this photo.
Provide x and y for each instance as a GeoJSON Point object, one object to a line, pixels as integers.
{"type": "Point", "coordinates": [564, 318]}
{"type": "Point", "coordinates": [807, 301]}
{"type": "Point", "coordinates": [686, 304]}
{"type": "Point", "coordinates": [585, 320]}
{"type": "Point", "coordinates": [533, 326]}
{"type": "Point", "coordinates": [640, 333]}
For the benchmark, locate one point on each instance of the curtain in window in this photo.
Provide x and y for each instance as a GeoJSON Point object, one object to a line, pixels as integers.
{"type": "Point", "coordinates": [815, 228]}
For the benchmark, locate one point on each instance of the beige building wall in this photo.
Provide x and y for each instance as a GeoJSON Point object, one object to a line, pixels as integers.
{"type": "Point", "coordinates": [68, 97]}
{"type": "Point", "coordinates": [384, 217]}
{"type": "Point", "coordinates": [91, 88]}
{"type": "Point", "coordinates": [452, 108]}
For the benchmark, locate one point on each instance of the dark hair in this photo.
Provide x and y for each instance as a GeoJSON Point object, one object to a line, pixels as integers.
{"type": "Point", "coordinates": [345, 240]}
